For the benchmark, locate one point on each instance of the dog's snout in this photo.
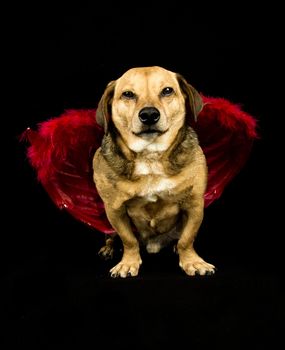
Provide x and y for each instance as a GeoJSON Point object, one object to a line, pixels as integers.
{"type": "Point", "coordinates": [149, 115]}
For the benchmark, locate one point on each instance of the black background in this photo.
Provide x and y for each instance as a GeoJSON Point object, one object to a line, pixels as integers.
{"type": "Point", "coordinates": [59, 291]}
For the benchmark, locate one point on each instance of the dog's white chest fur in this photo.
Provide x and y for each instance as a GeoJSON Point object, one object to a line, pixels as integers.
{"type": "Point", "coordinates": [148, 167]}
{"type": "Point", "coordinates": [157, 182]}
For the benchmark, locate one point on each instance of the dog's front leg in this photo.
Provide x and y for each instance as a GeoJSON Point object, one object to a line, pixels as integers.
{"type": "Point", "coordinates": [131, 260]}
{"type": "Point", "coordinates": [189, 260]}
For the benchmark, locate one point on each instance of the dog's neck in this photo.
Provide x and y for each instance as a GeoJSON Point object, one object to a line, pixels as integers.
{"type": "Point", "coordinates": [123, 160]}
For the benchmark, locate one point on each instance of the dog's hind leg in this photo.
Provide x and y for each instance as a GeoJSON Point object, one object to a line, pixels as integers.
{"type": "Point", "coordinates": [107, 251]}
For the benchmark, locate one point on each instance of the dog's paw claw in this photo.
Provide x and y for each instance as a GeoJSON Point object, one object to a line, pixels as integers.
{"type": "Point", "coordinates": [210, 273]}
{"type": "Point", "coordinates": [197, 267]}
{"type": "Point", "coordinates": [123, 270]}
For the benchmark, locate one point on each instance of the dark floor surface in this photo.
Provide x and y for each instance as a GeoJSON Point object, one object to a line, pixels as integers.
{"type": "Point", "coordinates": [60, 293]}
{"type": "Point", "coordinates": [64, 304]}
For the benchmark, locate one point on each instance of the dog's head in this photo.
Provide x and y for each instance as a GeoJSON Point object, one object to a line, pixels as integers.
{"type": "Point", "coordinates": [148, 106]}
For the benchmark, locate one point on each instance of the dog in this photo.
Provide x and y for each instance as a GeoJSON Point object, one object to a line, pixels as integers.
{"type": "Point", "coordinates": [150, 171]}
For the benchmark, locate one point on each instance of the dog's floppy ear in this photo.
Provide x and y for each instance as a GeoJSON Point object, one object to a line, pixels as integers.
{"type": "Point", "coordinates": [103, 112]}
{"type": "Point", "coordinates": [193, 100]}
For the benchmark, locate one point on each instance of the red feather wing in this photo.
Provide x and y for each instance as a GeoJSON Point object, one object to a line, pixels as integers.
{"type": "Point", "coordinates": [62, 148]}
{"type": "Point", "coordinates": [226, 134]}
{"type": "Point", "coordinates": [61, 151]}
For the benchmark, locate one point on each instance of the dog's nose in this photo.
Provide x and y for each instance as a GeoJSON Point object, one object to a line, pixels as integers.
{"type": "Point", "coordinates": [149, 115]}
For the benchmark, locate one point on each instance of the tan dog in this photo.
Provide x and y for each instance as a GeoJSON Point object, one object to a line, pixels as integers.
{"type": "Point", "coordinates": [150, 170]}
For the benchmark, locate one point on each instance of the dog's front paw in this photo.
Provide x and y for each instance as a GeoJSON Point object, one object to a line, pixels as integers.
{"type": "Point", "coordinates": [196, 266]}
{"type": "Point", "coordinates": [126, 268]}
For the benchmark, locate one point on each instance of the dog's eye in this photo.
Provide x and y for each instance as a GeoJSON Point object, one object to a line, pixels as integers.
{"type": "Point", "coordinates": [167, 91]}
{"type": "Point", "coordinates": [128, 94]}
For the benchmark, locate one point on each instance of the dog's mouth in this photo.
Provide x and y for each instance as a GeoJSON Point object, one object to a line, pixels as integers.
{"type": "Point", "coordinates": [149, 132]}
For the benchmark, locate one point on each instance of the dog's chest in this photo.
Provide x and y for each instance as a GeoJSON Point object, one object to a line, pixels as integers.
{"type": "Point", "coordinates": [154, 203]}
{"type": "Point", "coordinates": [149, 167]}
{"type": "Point", "coordinates": [154, 182]}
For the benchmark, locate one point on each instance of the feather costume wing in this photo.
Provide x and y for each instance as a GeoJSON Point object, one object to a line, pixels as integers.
{"type": "Point", "coordinates": [62, 148]}
{"type": "Point", "coordinates": [226, 134]}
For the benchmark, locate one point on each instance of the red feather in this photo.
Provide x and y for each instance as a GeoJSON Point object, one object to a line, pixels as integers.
{"type": "Point", "coordinates": [226, 134]}
{"type": "Point", "coordinates": [62, 148]}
